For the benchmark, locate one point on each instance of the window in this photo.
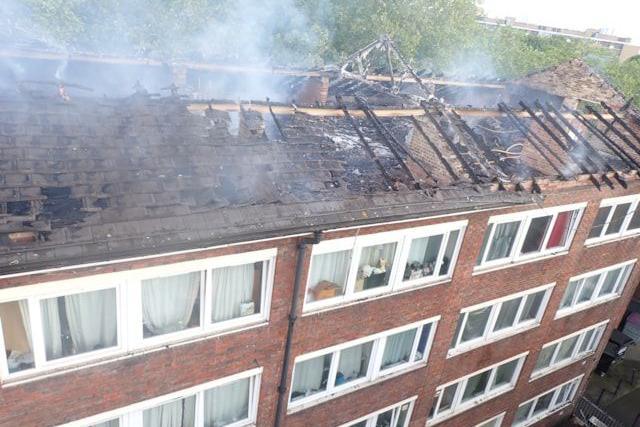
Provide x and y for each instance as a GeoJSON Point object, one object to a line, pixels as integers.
{"type": "Point", "coordinates": [397, 415]}
{"type": "Point", "coordinates": [231, 401]}
{"type": "Point", "coordinates": [62, 323]}
{"type": "Point", "coordinates": [566, 350]}
{"type": "Point", "coordinates": [546, 403]}
{"type": "Point", "coordinates": [592, 288]}
{"type": "Point", "coordinates": [342, 367]}
{"type": "Point", "coordinates": [493, 320]}
{"type": "Point", "coordinates": [492, 422]}
{"type": "Point", "coordinates": [524, 235]}
{"type": "Point", "coordinates": [353, 268]}
{"type": "Point", "coordinates": [470, 391]}
{"type": "Point", "coordinates": [616, 218]}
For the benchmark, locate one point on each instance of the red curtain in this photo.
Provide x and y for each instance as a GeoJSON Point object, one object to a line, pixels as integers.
{"type": "Point", "coordinates": [560, 230]}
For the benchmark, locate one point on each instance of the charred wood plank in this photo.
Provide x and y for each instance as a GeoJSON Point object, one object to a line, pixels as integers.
{"type": "Point", "coordinates": [490, 155]}
{"type": "Point", "coordinates": [435, 149]}
{"type": "Point", "coordinates": [276, 121]}
{"type": "Point", "coordinates": [614, 130]}
{"type": "Point", "coordinates": [617, 118]}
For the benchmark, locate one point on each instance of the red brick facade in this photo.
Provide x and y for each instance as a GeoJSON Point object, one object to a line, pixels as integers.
{"type": "Point", "coordinates": [87, 391]}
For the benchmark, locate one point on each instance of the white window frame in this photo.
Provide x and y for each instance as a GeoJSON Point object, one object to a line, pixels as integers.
{"type": "Point", "coordinates": [489, 335]}
{"type": "Point", "coordinates": [499, 418]}
{"type": "Point", "coordinates": [372, 417]}
{"type": "Point", "coordinates": [624, 231]}
{"type": "Point", "coordinates": [598, 331]}
{"type": "Point", "coordinates": [552, 406]}
{"type": "Point", "coordinates": [525, 220]}
{"type": "Point", "coordinates": [457, 406]}
{"type": "Point", "coordinates": [129, 309]}
{"type": "Point", "coordinates": [131, 415]}
{"type": "Point", "coordinates": [403, 240]}
{"type": "Point", "coordinates": [374, 372]}
{"type": "Point", "coordinates": [595, 299]}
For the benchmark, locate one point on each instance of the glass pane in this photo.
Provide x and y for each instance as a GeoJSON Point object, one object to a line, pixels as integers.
{"type": "Point", "coordinates": [456, 334]}
{"type": "Point", "coordinates": [310, 377]}
{"type": "Point", "coordinates": [485, 241]}
{"type": "Point", "coordinates": [599, 222]}
{"type": "Point", "coordinates": [476, 385]}
{"type": "Point", "coordinates": [570, 293]}
{"type": "Point", "coordinates": [79, 323]}
{"type": "Point", "coordinates": [535, 234]}
{"type": "Point", "coordinates": [422, 342]}
{"type": "Point", "coordinates": [618, 217]}
{"type": "Point", "coordinates": [609, 282]}
{"type": "Point", "coordinates": [423, 255]}
{"type": "Point", "coordinates": [397, 349]}
{"type": "Point", "coordinates": [179, 413]}
{"type": "Point", "coordinates": [110, 423]}
{"type": "Point", "coordinates": [476, 324]}
{"type": "Point", "coordinates": [16, 331]}
{"type": "Point", "coordinates": [237, 290]}
{"type": "Point", "coordinates": [504, 373]}
{"type": "Point", "coordinates": [328, 275]}
{"type": "Point", "coordinates": [584, 346]}
{"type": "Point", "coordinates": [507, 315]}
{"type": "Point", "coordinates": [532, 306]}
{"type": "Point", "coordinates": [588, 286]}
{"type": "Point", "coordinates": [523, 412]}
{"type": "Point", "coordinates": [447, 397]}
{"type": "Point", "coordinates": [624, 276]}
{"type": "Point", "coordinates": [384, 419]}
{"type": "Point", "coordinates": [170, 304]}
{"type": "Point", "coordinates": [543, 403]}
{"type": "Point", "coordinates": [375, 266]}
{"type": "Point", "coordinates": [227, 404]}
{"type": "Point", "coordinates": [502, 240]}
{"type": "Point", "coordinates": [402, 416]}
{"type": "Point", "coordinates": [449, 253]}
{"type": "Point", "coordinates": [544, 358]}
{"type": "Point", "coordinates": [566, 348]}
{"type": "Point", "coordinates": [635, 219]}
{"type": "Point", "coordinates": [561, 229]}
{"type": "Point", "coordinates": [354, 363]}
{"type": "Point", "coordinates": [362, 423]}
{"type": "Point", "coordinates": [495, 422]}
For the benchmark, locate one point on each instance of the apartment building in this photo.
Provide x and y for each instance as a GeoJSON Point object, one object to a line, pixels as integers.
{"type": "Point", "coordinates": [170, 262]}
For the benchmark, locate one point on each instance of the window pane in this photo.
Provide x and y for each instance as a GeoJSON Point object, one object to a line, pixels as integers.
{"type": "Point", "coordinates": [449, 252]}
{"type": "Point", "coordinates": [485, 241]}
{"type": "Point", "coordinates": [397, 349]}
{"type": "Point", "coordinates": [354, 363]}
{"type": "Point", "coordinates": [599, 222]}
{"type": "Point", "coordinates": [447, 397]}
{"type": "Point", "coordinates": [502, 240]}
{"type": "Point", "coordinates": [532, 306]}
{"type": "Point", "coordinates": [618, 217]}
{"type": "Point", "coordinates": [402, 416]}
{"type": "Point", "coordinates": [170, 304]}
{"type": "Point", "coordinates": [491, 423]}
{"type": "Point", "coordinates": [561, 229]}
{"type": "Point", "coordinates": [375, 266]}
{"type": "Point", "coordinates": [535, 234]}
{"type": "Point", "coordinates": [423, 255]}
{"type": "Point", "coordinates": [566, 348]}
{"type": "Point", "coordinates": [523, 412]}
{"type": "Point", "coordinates": [635, 219]}
{"type": "Point", "coordinates": [237, 290]}
{"type": "Point", "coordinates": [544, 357]}
{"type": "Point", "coordinates": [16, 331]}
{"type": "Point", "coordinates": [476, 324]}
{"type": "Point", "coordinates": [543, 403]}
{"type": "Point", "coordinates": [384, 419]}
{"type": "Point", "coordinates": [624, 276]}
{"type": "Point", "coordinates": [79, 323]}
{"type": "Point", "coordinates": [609, 282]}
{"type": "Point", "coordinates": [179, 413]}
{"type": "Point", "coordinates": [504, 373]}
{"type": "Point", "coordinates": [110, 423]}
{"type": "Point", "coordinates": [584, 346]}
{"type": "Point", "coordinates": [422, 342]}
{"type": "Point", "coordinates": [328, 275]}
{"type": "Point", "coordinates": [588, 286]}
{"type": "Point", "coordinates": [456, 334]}
{"type": "Point", "coordinates": [227, 404]}
{"type": "Point", "coordinates": [570, 293]}
{"type": "Point", "coordinates": [310, 376]}
{"type": "Point", "coordinates": [476, 385]}
{"type": "Point", "coordinates": [362, 423]}
{"type": "Point", "coordinates": [507, 315]}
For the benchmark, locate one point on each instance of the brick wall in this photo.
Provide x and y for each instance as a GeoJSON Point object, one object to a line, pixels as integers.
{"type": "Point", "coordinates": [92, 390]}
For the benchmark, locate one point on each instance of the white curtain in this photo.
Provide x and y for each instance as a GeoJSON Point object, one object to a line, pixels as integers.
{"type": "Point", "coordinates": [371, 255]}
{"type": "Point", "coordinates": [51, 328]}
{"type": "Point", "coordinates": [398, 348]}
{"type": "Point", "coordinates": [168, 302]}
{"type": "Point", "coordinates": [92, 319]}
{"type": "Point", "coordinates": [353, 360]}
{"type": "Point", "coordinates": [425, 249]}
{"type": "Point", "coordinates": [503, 240]}
{"type": "Point", "coordinates": [308, 375]}
{"type": "Point", "coordinates": [26, 322]}
{"type": "Point", "coordinates": [227, 404]}
{"type": "Point", "coordinates": [331, 267]}
{"type": "Point", "coordinates": [232, 286]}
{"type": "Point", "coordinates": [180, 413]}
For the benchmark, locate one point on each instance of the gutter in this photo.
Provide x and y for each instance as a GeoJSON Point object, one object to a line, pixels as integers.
{"type": "Point", "coordinates": [293, 316]}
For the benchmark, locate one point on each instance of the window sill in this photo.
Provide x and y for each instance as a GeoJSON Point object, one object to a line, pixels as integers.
{"type": "Point", "coordinates": [460, 350]}
{"type": "Point", "coordinates": [569, 311]}
{"type": "Point", "coordinates": [308, 311]}
{"type": "Point", "coordinates": [478, 270]}
{"type": "Point", "coordinates": [467, 406]}
{"type": "Point", "coordinates": [547, 371]}
{"type": "Point", "coordinates": [599, 241]}
{"type": "Point", "coordinates": [31, 376]}
{"type": "Point", "coordinates": [302, 406]}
